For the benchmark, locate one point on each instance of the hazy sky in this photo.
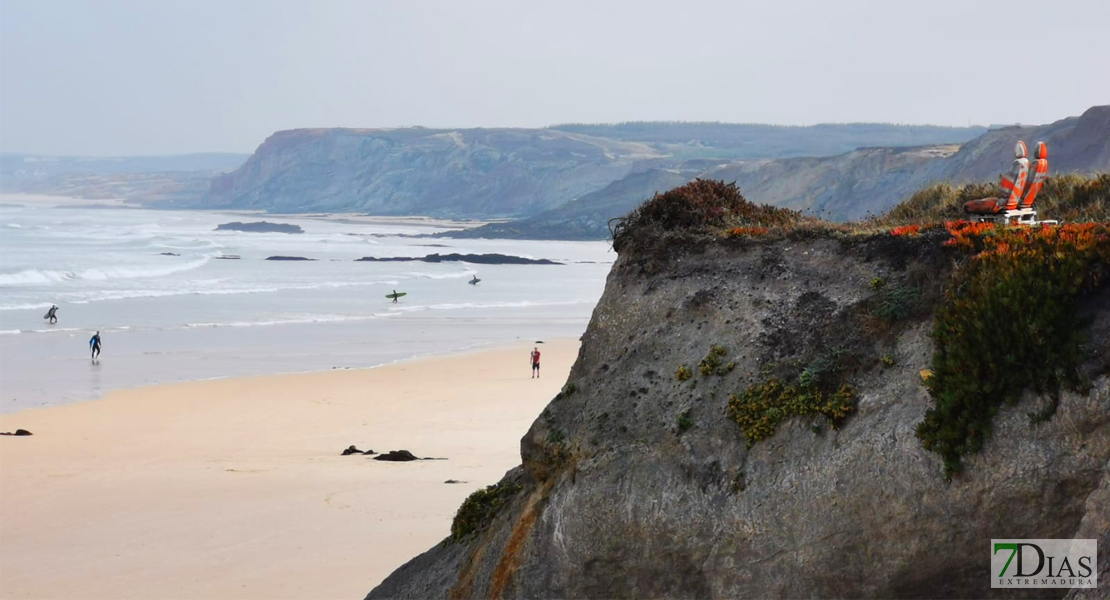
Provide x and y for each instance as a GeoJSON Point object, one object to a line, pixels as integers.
{"type": "Point", "coordinates": [105, 77]}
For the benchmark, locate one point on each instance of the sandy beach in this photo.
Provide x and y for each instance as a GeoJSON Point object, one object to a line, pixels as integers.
{"type": "Point", "coordinates": [236, 488]}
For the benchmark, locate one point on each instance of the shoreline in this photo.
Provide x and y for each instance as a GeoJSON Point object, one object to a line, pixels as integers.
{"type": "Point", "coordinates": [28, 200]}
{"type": "Point", "coordinates": [236, 487]}
{"type": "Point", "coordinates": [100, 394]}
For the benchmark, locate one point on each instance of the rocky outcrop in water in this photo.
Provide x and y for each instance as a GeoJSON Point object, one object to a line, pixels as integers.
{"type": "Point", "coordinates": [478, 259]}
{"type": "Point", "coordinates": [635, 483]}
{"type": "Point", "coordinates": [260, 227]}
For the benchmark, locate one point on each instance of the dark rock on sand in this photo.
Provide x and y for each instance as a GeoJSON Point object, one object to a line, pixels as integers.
{"type": "Point", "coordinates": [18, 432]}
{"type": "Point", "coordinates": [288, 258]}
{"type": "Point", "coordinates": [453, 481]}
{"type": "Point", "coordinates": [477, 259]}
{"type": "Point", "coordinates": [352, 450]}
{"type": "Point", "coordinates": [397, 456]}
{"type": "Point", "coordinates": [260, 227]}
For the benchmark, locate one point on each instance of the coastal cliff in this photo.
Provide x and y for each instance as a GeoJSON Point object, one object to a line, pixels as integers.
{"type": "Point", "coordinates": [646, 477]}
{"type": "Point", "coordinates": [511, 172]}
{"type": "Point", "coordinates": [455, 173]}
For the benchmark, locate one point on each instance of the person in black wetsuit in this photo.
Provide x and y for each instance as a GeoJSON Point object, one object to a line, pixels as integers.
{"type": "Point", "coordinates": [52, 314]}
{"type": "Point", "coordinates": [94, 343]}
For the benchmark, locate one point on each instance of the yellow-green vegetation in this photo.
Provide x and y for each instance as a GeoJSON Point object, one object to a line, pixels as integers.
{"type": "Point", "coordinates": [711, 364]}
{"type": "Point", "coordinates": [1008, 323]}
{"type": "Point", "coordinates": [480, 508]}
{"type": "Point", "coordinates": [683, 373]}
{"type": "Point", "coordinates": [760, 408]}
{"type": "Point", "coordinates": [887, 360]}
{"type": "Point", "coordinates": [1069, 197]}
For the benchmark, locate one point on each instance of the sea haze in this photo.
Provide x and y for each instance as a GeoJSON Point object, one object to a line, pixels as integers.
{"type": "Point", "coordinates": [169, 309]}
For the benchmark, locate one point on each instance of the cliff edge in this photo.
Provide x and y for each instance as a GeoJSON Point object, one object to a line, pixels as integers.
{"type": "Point", "coordinates": [648, 476]}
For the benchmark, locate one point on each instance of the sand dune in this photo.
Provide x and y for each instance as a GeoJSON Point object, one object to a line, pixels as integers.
{"type": "Point", "coordinates": [236, 488]}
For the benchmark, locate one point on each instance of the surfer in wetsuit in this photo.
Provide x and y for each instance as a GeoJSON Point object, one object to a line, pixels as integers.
{"type": "Point", "coordinates": [52, 314]}
{"type": "Point", "coordinates": [535, 362]}
{"type": "Point", "coordinates": [94, 343]}
{"type": "Point", "coordinates": [395, 296]}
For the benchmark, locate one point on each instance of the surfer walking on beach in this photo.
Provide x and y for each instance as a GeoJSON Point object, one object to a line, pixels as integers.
{"type": "Point", "coordinates": [535, 357]}
{"type": "Point", "coordinates": [52, 314]}
{"type": "Point", "coordinates": [94, 343]}
{"type": "Point", "coordinates": [395, 296]}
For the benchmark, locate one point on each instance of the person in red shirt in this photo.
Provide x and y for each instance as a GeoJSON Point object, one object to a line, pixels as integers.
{"type": "Point", "coordinates": [535, 362]}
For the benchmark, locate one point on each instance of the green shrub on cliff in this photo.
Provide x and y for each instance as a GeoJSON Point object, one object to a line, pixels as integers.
{"type": "Point", "coordinates": [898, 303]}
{"type": "Point", "coordinates": [703, 205]}
{"type": "Point", "coordinates": [760, 408]}
{"type": "Point", "coordinates": [684, 421]}
{"type": "Point", "coordinates": [711, 364]}
{"type": "Point", "coordinates": [1008, 324]}
{"type": "Point", "coordinates": [682, 373]}
{"type": "Point", "coordinates": [479, 509]}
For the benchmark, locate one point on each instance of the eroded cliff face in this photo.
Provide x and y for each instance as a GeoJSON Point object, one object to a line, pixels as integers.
{"type": "Point", "coordinates": [637, 485]}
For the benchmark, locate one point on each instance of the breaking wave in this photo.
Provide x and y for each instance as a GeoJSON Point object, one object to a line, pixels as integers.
{"type": "Point", "coordinates": [456, 275]}
{"type": "Point", "coordinates": [209, 289]}
{"type": "Point", "coordinates": [466, 305]}
{"type": "Point", "coordinates": [37, 276]}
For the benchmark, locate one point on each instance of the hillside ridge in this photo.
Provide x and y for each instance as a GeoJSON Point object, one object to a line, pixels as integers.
{"type": "Point", "coordinates": [851, 185]}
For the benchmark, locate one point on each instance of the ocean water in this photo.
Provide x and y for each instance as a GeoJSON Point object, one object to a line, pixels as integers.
{"type": "Point", "coordinates": [166, 318]}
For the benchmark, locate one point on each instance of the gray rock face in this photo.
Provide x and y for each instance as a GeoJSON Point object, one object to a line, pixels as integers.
{"type": "Point", "coordinates": [618, 500]}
